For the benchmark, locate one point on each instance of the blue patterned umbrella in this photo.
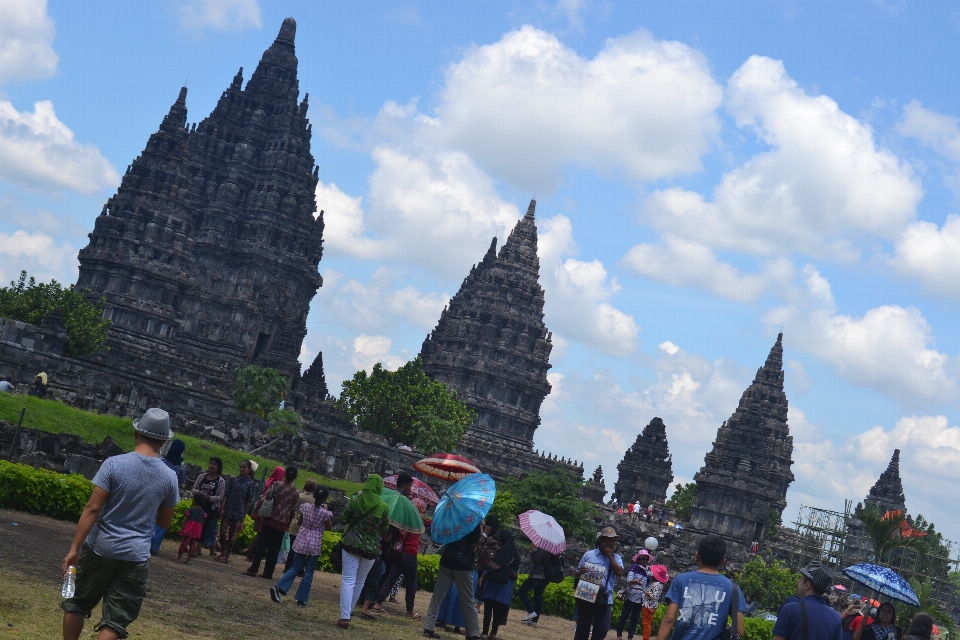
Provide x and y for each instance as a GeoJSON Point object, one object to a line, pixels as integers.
{"type": "Point", "coordinates": [462, 507]}
{"type": "Point", "coordinates": [884, 581]}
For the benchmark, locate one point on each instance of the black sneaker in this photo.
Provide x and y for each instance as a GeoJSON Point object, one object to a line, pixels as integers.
{"type": "Point", "coordinates": [275, 594]}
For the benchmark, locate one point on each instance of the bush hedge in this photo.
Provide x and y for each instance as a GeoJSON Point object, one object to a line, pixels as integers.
{"type": "Point", "coordinates": [43, 492]}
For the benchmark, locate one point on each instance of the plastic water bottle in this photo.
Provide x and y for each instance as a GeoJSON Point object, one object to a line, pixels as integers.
{"type": "Point", "coordinates": [69, 582]}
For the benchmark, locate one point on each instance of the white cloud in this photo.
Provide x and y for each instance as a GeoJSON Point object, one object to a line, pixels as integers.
{"type": "Point", "coordinates": [939, 132]}
{"type": "Point", "coordinates": [26, 40]}
{"type": "Point", "coordinates": [887, 349]}
{"type": "Point", "coordinates": [222, 15]}
{"type": "Point", "coordinates": [39, 255]}
{"type": "Point", "coordinates": [683, 263]}
{"type": "Point", "coordinates": [39, 152]}
{"type": "Point", "coordinates": [929, 461]}
{"type": "Point", "coordinates": [823, 183]}
{"type": "Point", "coordinates": [344, 231]}
{"type": "Point", "coordinates": [437, 209]}
{"type": "Point", "coordinates": [669, 347]}
{"type": "Point", "coordinates": [528, 105]}
{"type": "Point", "coordinates": [369, 350]}
{"type": "Point", "coordinates": [931, 256]}
{"type": "Point", "coordinates": [378, 304]}
{"type": "Point", "coordinates": [578, 294]}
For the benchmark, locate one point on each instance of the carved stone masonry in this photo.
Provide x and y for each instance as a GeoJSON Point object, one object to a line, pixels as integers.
{"type": "Point", "coordinates": [646, 471]}
{"type": "Point", "coordinates": [887, 493]}
{"type": "Point", "coordinates": [207, 254]}
{"type": "Point", "coordinates": [492, 347]}
{"type": "Point", "coordinates": [746, 475]}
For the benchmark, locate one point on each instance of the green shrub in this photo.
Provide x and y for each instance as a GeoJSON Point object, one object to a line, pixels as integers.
{"type": "Point", "coordinates": [757, 629]}
{"type": "Point", "coordinates": [427, 568]}
{"type": "Point", "coordinates": [43, 492]}
{"type": "Point", "coordinates": [330, 539]}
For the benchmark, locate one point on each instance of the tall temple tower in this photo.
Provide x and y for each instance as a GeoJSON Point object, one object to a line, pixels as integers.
{"type": "Point", "coordinates": [207, 254]}
{"type": "Point", "coordinates": [646, 471]}
{"type": "Point", "coordinates": [887, 493]}
{"type": "Point", "coordinates": [745, 477]}
{"type": "Point", "coordinates": [492, 347]}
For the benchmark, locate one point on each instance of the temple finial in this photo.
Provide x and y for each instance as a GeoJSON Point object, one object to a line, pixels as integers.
{"type": "Point", "coordinates": [288, 30]}
{"type": "Point", "coordinates": [531, 209]}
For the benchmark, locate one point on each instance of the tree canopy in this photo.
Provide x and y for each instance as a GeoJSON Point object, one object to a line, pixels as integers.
{"type": "Point", "coordinates": [768, 584]}
{"type": "Point", "coordinates": [33, 302]}
{"type": "Point", "coordinates": [405, 406]}
{"type": "Point", "coordinates": [257, 391]}
{"type": "Point", "coordinates": [684, 495]}
{"type": "Point", "coordinates": [554, 492]}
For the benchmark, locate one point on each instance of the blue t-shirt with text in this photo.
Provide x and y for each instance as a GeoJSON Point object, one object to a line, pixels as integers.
{"type": "Point", "coordinates": [704, 602]}
{"type": "Point", "coordinates": [138, 486]}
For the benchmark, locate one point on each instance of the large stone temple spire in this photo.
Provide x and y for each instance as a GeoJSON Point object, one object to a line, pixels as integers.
{"type": "Point", "coordinates": [207, 255]}
{"type": "Point", "coordinates": [745, 477]}
{"type": "Point", "coordinates": [492, 347]}
{"type": "Point", "coordinates": [646, 470]}
{"type": "Point", "coordinates": [887, 493]}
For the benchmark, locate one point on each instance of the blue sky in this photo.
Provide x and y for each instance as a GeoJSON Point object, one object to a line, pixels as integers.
{"type": "Point", "coordinates": [707, 174]}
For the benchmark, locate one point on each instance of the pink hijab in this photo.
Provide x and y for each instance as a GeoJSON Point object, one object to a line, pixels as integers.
{"type": "Point", "coordinates": [277, 474]}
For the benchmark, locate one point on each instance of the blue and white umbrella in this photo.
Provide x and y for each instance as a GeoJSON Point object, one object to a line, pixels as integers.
{"type": "Point", "coordinates": [462, 507]}
{"type": "Point", "coordinates": [884, 581]}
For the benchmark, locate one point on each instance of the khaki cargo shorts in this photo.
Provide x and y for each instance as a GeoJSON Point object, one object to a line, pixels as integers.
{"type": "Point", "coordinates": [121, 584]}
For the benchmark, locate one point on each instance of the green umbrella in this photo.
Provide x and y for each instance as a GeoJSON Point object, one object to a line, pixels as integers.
{"type": "Point", "coordinates": [403, 514]}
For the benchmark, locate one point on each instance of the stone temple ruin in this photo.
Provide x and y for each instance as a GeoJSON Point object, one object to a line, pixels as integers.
{"type": "Point", "coordinates": [646, 471]}
{"type": "Point", "coordinates": [207, 257]}
{"type": "Point", "coordinates": [743, 483]}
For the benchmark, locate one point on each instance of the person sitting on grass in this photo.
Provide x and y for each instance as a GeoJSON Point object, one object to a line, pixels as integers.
{"type": "Point", "coordinates": [111, 546]}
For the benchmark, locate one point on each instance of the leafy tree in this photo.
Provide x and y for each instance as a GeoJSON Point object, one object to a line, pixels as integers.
{"type": "Point", "coordinates": [768, 584]}
{"type": "Point", "coordinates": [283, 422]}
{"type": "Point", "coordinates": [504, 507]}
{"type": "Point", "coordinates": [774, 521]}
{"type": "Point", "coordinates": [29, 301]}
{"type": "Point", "coordinates": [684, 495]}
{"type": "Point", "coordinates": [256, 391]}
{"type": "Point", "coordinates": [405, 406]}
{"type": "Point", "coordinates": [884, 532]}
{"type": "Point", "coordinates": [555, 492]}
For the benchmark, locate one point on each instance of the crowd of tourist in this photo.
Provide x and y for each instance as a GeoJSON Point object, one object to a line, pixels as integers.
{"type": "Point", "coordinates": [132, 506]}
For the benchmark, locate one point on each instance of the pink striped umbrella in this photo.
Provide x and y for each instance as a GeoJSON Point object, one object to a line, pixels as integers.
{"type": "Point", "coordinates": [543, 531]}
{"type": "Point", "coordinates": [420, 489]}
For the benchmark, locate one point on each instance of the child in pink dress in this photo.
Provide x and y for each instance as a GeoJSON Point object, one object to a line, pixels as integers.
{"type": "Point", "coordinates": [192, 530]}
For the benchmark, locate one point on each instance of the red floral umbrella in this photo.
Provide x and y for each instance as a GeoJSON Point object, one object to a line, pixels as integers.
{"type": "Point", "coordinates": [446, 466]}
{"type": "Point", "coordinates": [419, 489]}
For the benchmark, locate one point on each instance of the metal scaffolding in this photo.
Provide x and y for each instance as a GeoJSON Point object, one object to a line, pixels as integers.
{"type": "Point", "coordinates": [839, 540]}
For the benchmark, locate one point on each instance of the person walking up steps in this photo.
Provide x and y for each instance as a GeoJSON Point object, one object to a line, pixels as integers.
{"type": "Point", "coordinates": [111, 546]}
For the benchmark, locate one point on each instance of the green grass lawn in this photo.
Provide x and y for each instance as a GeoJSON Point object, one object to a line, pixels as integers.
{"type": "Point", "coordinates": [56, 417]}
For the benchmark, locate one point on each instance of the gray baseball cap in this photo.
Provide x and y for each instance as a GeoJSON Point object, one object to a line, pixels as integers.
{"type": "Point", "coordinates": [155, 424]}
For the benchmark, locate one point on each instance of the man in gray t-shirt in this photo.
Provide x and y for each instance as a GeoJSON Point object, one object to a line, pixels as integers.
{"type": "Point", "coordinates": [111, 547]}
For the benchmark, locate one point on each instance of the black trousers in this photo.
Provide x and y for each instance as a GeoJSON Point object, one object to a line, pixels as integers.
{"type": "Point", "coordinates": [592, 616]}
{"type": "Point", "coordinates": [269, 548]}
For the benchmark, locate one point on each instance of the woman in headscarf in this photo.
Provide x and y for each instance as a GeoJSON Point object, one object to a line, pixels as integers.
{"type": "Point", "coordinates": [275, 476]}
{"type": "Point", "coordinates": [501, 562]}
{"type": "Point", "coordinates": [174, 460]}
{"type": "Point", "coordinates": [367, 521]}
{"type": "Point", "coordinates": [921, 627]}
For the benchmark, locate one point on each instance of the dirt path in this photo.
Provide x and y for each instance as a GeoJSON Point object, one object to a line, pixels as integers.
{"type": "Point", "coordinates": [207, 600]}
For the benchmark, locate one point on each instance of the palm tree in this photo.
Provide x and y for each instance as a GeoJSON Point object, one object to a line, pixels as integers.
{"type": "Point", "coordinates": [884, 532]}
{"type": "Point", "coordinates": [924, 591]}
{"type": "Point", "coordinates": [256, 391]}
